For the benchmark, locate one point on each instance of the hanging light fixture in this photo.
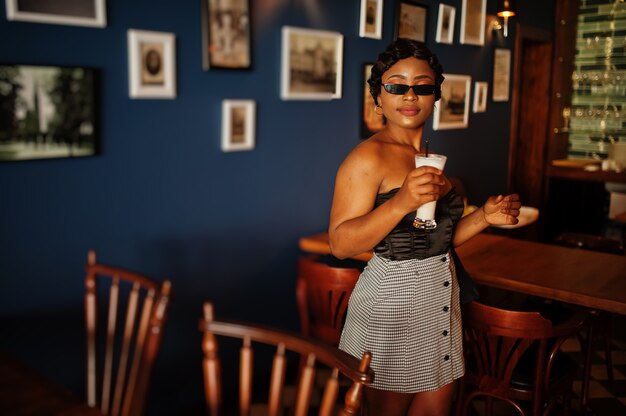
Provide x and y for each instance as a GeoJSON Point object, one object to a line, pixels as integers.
{"type": "Point", "coordinates": [506, 9]}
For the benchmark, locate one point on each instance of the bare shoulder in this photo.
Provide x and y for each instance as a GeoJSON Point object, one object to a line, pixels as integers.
{"type": "Point", "coordinates": [366, 155]}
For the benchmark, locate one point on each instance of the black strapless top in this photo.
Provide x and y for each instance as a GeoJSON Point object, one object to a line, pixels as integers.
{"type": "Point", "coordinates": [406, 242]}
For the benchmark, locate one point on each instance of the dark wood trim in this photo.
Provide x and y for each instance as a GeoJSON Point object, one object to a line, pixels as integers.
{"type": "Point", "coordinates": [565, 23]}
{"type": "Point", "coordinates": [585, 175]}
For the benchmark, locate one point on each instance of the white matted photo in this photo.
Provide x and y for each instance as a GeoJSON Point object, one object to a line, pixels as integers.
{"type": "Point", "coordinates": [501, 74]}
{"type": "Point", "coordinates": [238, 125]}
{"type": "Point", "coordinates": [151, 64]}
{"type": "Point", "coordinates": [61, 12]}
{"type": "Point", "coordinates": [473, 15]}
{"type": "Point", "coordinates": [445, 24]}
{"type": "Point", "coordinates": [312, 64]}
{"type": "Point", "coordinates": [480, 97]}
{"type": "Point", "coordinates": [371, 21]}
{"type": "Point", "coordinates": [452, 110]}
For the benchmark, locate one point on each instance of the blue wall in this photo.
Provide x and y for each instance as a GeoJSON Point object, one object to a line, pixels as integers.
{"type": "Point", "coordinates": [163, 199]}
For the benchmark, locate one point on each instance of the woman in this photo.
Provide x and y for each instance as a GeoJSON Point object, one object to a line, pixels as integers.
{"type": "Point", "coordinates": [405, 307]}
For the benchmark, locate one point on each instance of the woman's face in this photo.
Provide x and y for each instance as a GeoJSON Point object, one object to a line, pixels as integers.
{"type": "Point", "coordinates": [407, 110]}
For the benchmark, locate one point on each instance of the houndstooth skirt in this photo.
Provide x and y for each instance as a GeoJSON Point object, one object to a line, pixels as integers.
{"type": "Point", "coordinates": [407, 314]}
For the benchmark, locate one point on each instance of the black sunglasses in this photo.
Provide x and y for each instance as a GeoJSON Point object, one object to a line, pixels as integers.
{"type": "Point", "coordinates": [401, 89]}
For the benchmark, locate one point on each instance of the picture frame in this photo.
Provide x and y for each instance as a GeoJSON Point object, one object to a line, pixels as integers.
{"type": "Point", "coordinates": [473, 17]}
{"type": "Point", "coordinates": [370, 121]}
{"type": "Point", "coordinates": [226, 42]}
{"type": "Point", "coordinates": [452, 110]}
{"type": "Point", "coordinates": [151, 64]}
{"type": "Point", "coordinates": [501, 74]}
{"type": "Point", "coordinates": [48, 112]}
{"type": "Point", "coordinates": [371, 21]}
{"type": "Point", "coordinates": [238, 125]}
{"type": "Point", "coordinates": [411, 20]}
{"type": "Point", "coordinates": [61, 12]}
{"type": "Point", "coordinates": [480, 97]}
{"type": "Point", "coordinates": [445, 24]}
{"type": "Point", "coordinates": [312, 64]}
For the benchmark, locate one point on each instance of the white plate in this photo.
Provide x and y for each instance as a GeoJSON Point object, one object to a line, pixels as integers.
{"type": "Point", "coordinates": [527, 215]}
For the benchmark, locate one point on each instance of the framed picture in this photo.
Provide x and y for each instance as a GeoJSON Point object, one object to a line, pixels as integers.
{"type": "Point", "coordinates": [445, 24]}
{"type": "Point", "coordinates": [47, 112]}
{"type": "Point", "coordinates": [501, 74]}
{"type": "Point", "coordinates": [473, 22]}
{"type": "Point", "coordinates": [371, 24]}
{"type": "Point", "coordinates": [452, 110]}
{"type": "Point", "coordinates": [238, 125]}
{"type": "Point", "coordinates": [226, 34]}
{"type": "Point", "coordinates": [480, 97]}
{"type": "Point", "coordinates": [62, 12]}
{"type": "Point", "coordinates": [151, 64]}
{"type": "Point", "coordinates": [371, 122]}
{"type": "Point", "coordinates": [312, 64]}
{"type": "Point", "coordinates": [411, 20]}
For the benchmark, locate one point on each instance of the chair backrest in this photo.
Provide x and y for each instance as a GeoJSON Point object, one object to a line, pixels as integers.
{"type": "Point", "coordinates": [590, 242]}
{"type": "Point", "coordinates": [124, 317]}
{"type": "Point", "coordinates": [496, 339]}
{"type": "Point", "coordinates": [283, 342]}
{"type": "Point", "coordinates": [322, 294]}
{"type": "Point", "coordinates": [460, 189]}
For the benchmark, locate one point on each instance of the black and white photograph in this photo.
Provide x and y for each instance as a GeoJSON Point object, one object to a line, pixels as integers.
{"type": "Point", "coordinates": [312, 64]}
{"type": "Point", "coordinates": [47, 112]}
{"type": "Point", "coordinates": [371, 120]}
{"type": "Point", "coordinates": [62, 12]}
{"type": "Point", "coordinates": [501, 74]}
{"type": "Point", "coordinates": [445, 24]}
{"type": "Point", "coordinates": [452, 110]}
{"type": "Point", "coordinates": [473, 22]}
{"type": "Point", "coordinates": [371, 22]}
{"type": "Point", "coordinates": [411, 20]}
{"type": "Point", "coordinates": [151, 64]}
{"type": "Point", "coordinates": [226, 34]}
{"type": "Point", "coordinates": [480, 97]}
{"type": "Point", "coordinates": [238, 125]}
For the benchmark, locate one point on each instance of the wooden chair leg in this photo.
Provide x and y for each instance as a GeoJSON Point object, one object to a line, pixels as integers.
{"type": "Point", "coordinates": [608, 359]}
{"type": "Point", "coordinates": [588, 351]}
{"type": "Point", "coordinates": [460, 396]}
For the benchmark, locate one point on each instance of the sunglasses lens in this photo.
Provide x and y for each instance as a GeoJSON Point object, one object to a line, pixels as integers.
{"type": "Point", "coordinates": [400, 89]}
{"type": "Point", "coordinates": [424, 89]}
{"type": "Point", "coordinates": [397, 89]}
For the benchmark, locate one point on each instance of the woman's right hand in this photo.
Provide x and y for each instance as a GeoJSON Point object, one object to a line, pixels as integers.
{"type": "Point", "coordinates": [421, 185]}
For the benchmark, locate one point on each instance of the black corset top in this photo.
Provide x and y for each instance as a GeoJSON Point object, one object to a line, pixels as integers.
{"type": "Point", "coordinates": [406, 242]}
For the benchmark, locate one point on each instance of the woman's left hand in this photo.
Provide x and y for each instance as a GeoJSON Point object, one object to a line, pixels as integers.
{"type": "Point", "coordinates": [502, 210]}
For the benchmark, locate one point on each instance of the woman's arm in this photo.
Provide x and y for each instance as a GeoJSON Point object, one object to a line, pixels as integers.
{"type": "Point", "coordinates": [500, 210]}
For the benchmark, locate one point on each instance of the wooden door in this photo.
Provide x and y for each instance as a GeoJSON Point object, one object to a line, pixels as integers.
{"type": "Point", "coordinates": [530, 113]}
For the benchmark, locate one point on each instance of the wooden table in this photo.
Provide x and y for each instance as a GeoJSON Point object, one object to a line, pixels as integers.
{"type": "Point", "coordinates": [582, 277]}
{"type": "Point", "coordinates": [23, 391]}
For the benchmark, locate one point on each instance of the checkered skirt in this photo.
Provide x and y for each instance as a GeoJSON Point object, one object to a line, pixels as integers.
{"type": "Point", "coordinates": [407, 314]}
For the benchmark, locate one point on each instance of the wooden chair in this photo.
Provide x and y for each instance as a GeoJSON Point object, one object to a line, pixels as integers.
{"type": "Point", "coordinates": [315, 351]}
{"type": "Point", "coordinates": [600, 322]}
{"type": "Point", "coordinates": [515, 357]}
{"type": "Point", "coordinates": [120, 355]}
{"type": "Point", "coordinates": [322, 294]}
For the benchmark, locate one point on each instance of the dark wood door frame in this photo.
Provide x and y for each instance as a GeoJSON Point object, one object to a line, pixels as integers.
{"type": "Point", "coordinates": [525, 38]}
